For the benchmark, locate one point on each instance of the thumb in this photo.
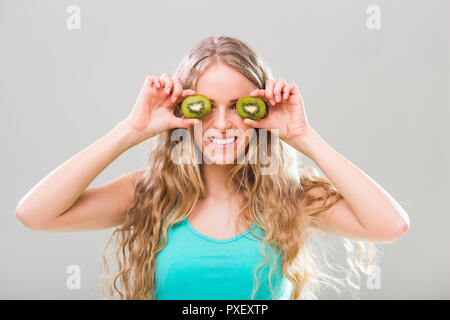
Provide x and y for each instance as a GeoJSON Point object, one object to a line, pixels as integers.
{"type": "Point", "coordinates": [262, 123]}
{"type": "Point", "coordinates": [182, 122]}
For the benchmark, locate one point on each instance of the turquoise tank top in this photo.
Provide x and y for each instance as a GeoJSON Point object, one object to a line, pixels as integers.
{"type": "Point", "coordinates": [193, 266]}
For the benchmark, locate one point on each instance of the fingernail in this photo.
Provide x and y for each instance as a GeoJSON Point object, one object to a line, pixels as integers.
{"type": "Point", "coordinates": [278, 98]}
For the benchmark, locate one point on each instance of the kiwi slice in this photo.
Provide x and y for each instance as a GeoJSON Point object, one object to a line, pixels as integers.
{"type": "Point", "coordinates": [251, 107]}
{"type": "Point", "coordinates": [195, 106]}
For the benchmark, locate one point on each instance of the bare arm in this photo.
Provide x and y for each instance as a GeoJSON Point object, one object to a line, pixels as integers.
{"type": "Point", "coordinates": [60, 202]}
{"type": "Point", "coordinates": [367, 211]}
{"type": "Point", "coordinates": [46, 206]}
{"type": "Point", "coordinates": [97, 208]}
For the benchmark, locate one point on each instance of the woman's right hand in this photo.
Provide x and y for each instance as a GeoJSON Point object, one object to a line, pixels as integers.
{"type": "Point", "coordinates": [153, 111]}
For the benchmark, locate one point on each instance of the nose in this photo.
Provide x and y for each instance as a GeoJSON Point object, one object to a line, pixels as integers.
{"type": "Point", "coordinates": [221, 119]}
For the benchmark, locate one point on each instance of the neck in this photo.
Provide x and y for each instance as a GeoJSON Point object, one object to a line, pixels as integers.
{"type": "Point", "coordinates": [214, 176]}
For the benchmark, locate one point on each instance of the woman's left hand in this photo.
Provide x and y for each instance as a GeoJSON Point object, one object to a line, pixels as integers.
{"type": "Point", "coordinates": [286, 109]}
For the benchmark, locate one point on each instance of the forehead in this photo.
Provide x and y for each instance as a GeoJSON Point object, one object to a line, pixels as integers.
{"type": "Point", "coordinates": [220, 80]}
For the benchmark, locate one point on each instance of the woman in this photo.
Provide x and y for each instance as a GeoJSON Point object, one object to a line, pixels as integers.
{"type": "Point", "coordinates": [217, 228]}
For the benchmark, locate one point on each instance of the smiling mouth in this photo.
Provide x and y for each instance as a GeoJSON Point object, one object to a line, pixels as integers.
{"type": "Point", "coordinates": [222, 142]}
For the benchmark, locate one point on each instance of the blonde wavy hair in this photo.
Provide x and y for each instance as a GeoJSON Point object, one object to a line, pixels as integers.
{"type": "Point", "coordinates": [166, 193]}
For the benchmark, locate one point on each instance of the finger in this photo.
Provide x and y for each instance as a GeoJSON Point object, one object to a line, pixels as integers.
{"type": "Point", "coordinates": [258, 93]}
{"type": "Point", "coordinates": [277, 89]}
{"type": "Point", "coordinates": [157, 83]}
{"type": "Point", "coordinates": [287, 91]}
{"type": "Point", "coordinates": [168, 83]}
{"type": "Point", "coordinates": [163, 77]}
{"type": "Point", "coordinates": [269, 91]}
{"type": "Point", "coordinates": [187, 92]}
{"type": "Point", "coordinates": [149, 81]}
{"type": "Point", "coordinates": [262, 123]}
{"type": "Point", "coordinates": [294, 89]}
{"type": "Point", "coordinates": [177, 89]}
{"type": "Point", "coordinates": [184, 94]}
{"type": "Point", "coordinates": [176, 122]}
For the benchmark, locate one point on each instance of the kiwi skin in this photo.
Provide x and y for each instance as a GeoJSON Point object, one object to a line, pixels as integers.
{"type": "Point", "coordinates": [189, 101]}
{"type": "Point", "coordinates": [245, 102]}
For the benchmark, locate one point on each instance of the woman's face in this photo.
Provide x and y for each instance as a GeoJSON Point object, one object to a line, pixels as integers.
{"type": "Point", "coordinates": [223, 130]}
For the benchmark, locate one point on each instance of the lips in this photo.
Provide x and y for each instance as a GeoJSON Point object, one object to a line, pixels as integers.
{"type": "Point", "coordinates": [222, 136]}
{"type": "Point", "coordinates": [222, 140]}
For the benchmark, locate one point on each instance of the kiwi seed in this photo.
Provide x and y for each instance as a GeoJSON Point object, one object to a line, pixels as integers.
{"type": "Point", "coordinates": [251, 107]}
{"type": "Point", "coordinates": [195, 106]}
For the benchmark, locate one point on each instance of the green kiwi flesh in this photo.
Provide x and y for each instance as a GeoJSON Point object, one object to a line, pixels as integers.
{"type": "Point", "coordinates": [195, 106]}
{"type": "Point", "coordinates": [251, 107]}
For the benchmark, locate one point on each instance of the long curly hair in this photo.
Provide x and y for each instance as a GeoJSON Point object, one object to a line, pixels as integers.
{"type": "Point", "coordinates": [167, 192]}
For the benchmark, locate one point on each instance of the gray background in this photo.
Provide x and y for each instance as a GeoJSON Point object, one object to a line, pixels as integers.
{"type": "Point", "coordinates": [379, 97]}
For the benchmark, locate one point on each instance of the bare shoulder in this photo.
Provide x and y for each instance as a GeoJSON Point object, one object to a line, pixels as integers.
{"type": "Point", "coordinates": [129, 180]}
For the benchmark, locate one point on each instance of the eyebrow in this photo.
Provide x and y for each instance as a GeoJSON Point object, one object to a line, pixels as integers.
{"type": "Point", "coordinates": [234, 100]}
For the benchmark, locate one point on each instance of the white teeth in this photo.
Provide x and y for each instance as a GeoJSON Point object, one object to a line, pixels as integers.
{"type": "Point", "coordinates": [221, 141]}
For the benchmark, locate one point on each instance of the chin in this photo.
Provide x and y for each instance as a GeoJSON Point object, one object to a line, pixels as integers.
{"type": "Point", "coordinates": [223, 154]}
{"type": "Point", "coordinates": [219, 160]}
